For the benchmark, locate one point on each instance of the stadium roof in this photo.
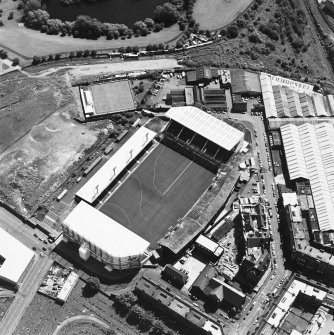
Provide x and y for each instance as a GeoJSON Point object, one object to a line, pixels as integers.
{"type": "Point", "coordinates": [104, 232]}
{"type": "Point", "coordinates": [309, 153]}
{"type": "Point", "coordinates": [207, 126]}
{"type": "Point", "coordinates": [115, 165]}
{"type": "Point", "coordinates": [16, 258]}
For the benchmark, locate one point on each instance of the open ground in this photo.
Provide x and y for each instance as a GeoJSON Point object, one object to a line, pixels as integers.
{"type": "Point", "coordinates": [39, 141]}
{"type": "Point", "coordinates": [215, 14]}
{"type": "Point", "coordinates": [156, 194]}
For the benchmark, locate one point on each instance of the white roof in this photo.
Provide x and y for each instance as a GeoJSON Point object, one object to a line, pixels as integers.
{"type": "Point", "coordinates": [207, 243]}
{"type": "Point", "coordinates": [212, 327]}
{"type": "Point", "coordinates": [104, 232]}
{"type": "Point", "coordinates": [290, 199]}
{"type": "Point", "coordinates": [268, 95]}
{"type": "Point", "coordinates": [68, 286]}
{"type": "Point", "coordinates": [207, 126]}
{"type": "Point", "coordinates": [115, 165]}
{"type": "Point", "coordinates": [310, 154]}
{"type": "Point", "coordinates": [17, 257]}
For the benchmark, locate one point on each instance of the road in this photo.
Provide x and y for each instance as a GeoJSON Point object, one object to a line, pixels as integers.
{"type": "Point", "coordinates": [244, 326]}
{"type": "Point", "coordinates": [78, 71]}
{"type": "Point", "coordinates": [21, 231]}
{"type": "Point", "coordinates": [25, 295]}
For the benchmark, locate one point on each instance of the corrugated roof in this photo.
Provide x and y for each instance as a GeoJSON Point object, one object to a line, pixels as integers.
{"type": "Point", "coordinates": [115, 165]}
{"type": "Point", "coordinates": [104, 232]}
{"type": "Point", "coordinates": [310, 154]}
{"type": "Point", "coordinates": [207, 126]}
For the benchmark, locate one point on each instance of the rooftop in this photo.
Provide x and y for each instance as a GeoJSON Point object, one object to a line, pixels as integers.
{"type": "Point", "coordinates": [14, 258]}
{"type": "Point", "coordinates": [108, 235]}
{"type": "Point", "coordinates": [207, 126]}
{"type": "Point", "coordinates": [309, 151]}
{"type": "Point", "coordinates": [115, 165]}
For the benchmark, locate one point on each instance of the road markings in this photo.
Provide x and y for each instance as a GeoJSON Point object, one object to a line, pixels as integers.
{"type": "Point", "coordinates": [177, 178]}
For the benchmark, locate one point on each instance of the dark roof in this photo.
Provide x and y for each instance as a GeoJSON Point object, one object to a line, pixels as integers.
{"type": "Point", "coordinates": [222, 230]}
{"type": "Point", "coordinates": [233, 296]}
{"type": "Point", "coordinates": [174, 274]}
{"type": "Point", "coordinates": [204, 278]}
{"type": "Point", "coordinates": [254, 242]}
{"type": "Point", "coordinates": [191, 76]}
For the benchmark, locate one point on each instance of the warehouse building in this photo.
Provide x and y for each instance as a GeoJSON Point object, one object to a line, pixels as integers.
{"type": "Point", "coordinates": [103, 238]}
{"type": "Point", "coordinates": [15, 258]}
{"type": "Point", "coordinates": [245, 83]}
{"type": "Point", "coordinates": [309, 152]}
{"type": "Point", "coordinates": [286, 98]}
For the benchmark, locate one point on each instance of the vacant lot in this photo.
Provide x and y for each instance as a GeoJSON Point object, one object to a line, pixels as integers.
{"type": "Point", "coordinates": [112, 97]}
{"type": "Point", "coordinates": [159, 192]}
{"type": "Point", "coordinates": [39, 141]}
{"type": "Point", "coordinates": [215, 14]}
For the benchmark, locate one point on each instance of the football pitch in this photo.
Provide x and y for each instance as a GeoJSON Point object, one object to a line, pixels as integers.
{"type": "Point", "coordinates": [112, 97]}
{"type": "Point", "coordinates": [159, 192]}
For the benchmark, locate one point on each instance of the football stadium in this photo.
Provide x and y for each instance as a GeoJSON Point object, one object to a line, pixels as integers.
{"type": "Point", "coordinates": [149, 185]}
{"type": "Point", "coordinates": [107, 98]}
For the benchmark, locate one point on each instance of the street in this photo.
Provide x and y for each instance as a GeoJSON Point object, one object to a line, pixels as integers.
{"type": "Point", "coordinates": [25, 294]}
{"type": "Point", "coordinates": [244, 326]}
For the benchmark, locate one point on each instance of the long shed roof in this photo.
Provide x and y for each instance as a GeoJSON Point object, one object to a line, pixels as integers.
{"type": "Point", "coordinates": [206, 125]}
{"type": "Point", "coordinates": [309, 153]}
{"type": "Point", "coordinates": [115, 165]}
{"type": "Point", "coordinates": [104, 232]}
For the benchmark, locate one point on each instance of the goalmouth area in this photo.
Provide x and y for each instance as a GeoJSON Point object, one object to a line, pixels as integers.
{"type": "Point", "coordinates": [161, 190]}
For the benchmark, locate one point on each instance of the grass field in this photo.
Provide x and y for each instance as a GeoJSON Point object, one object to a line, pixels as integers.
{"type": "Point", "coordinates": [160, 191]}
{"type": "Point", "coordinates": [215, 14]}
{"type": "Point", "coordinates": [112, 97]}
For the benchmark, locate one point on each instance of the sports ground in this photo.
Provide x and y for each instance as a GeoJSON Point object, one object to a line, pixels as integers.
{"type": "Point", "coordinates": [112, 97]}
{"type": "Point", "coordinates": [156, 194]}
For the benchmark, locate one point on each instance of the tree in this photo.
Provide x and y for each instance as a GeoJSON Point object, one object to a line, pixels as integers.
{"type": "Point", "coordinates": [11, 15]}
{"type": "Point", "coordinates": [254, 38]}
{"type": "Point", "coordinates": [149, 22]}
{"type": "Point", "coordinates": [149, 47]}
{"type": "Point", "coordinates": [86, 53]}
{"type": "Point", "coordinates": [3, 54]}
{"type": "Point", "coordinates": [167, 14]}
{"type": "Point", "coordinates": [79, 53]}
{"type": "Point", "coordinates": [71, 54]}
{"type": "Point", "coordinates": [36, 19]}
{"type": "Point", "coordinates": [126, 300]}
{"type": "Point", "coordinates": [16, 61]}
{"type": "Point", "coordinates": [139, 25]}
{"type": "Point", "coordinates": [232, 31]}
{"type": "Point", "coordinates": [31, 5]}
{"type": "Point", "coordinates": [1, 23]}
{"type": "Point", "coordinates": [135, 49]}
{"type": "Point", "coordinates": [57, 56]}
{"type": "Point", "coordinates": [93, 53]}
{"type": "Point", "coordinates": [128, 49]}
{"type": "Point", "coordinates": [158, 328]}
{"type": "Point", "coordinates": [36, 60]}
{"type": "Point", "coordinates": [121, 50]}
{"type": "Point", "coordinates": [93, 283]}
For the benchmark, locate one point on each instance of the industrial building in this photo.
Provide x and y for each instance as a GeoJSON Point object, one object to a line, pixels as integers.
{"type": "Point", "coordinates": [15, 258]}
{"type": "Point", "coordinates": [103, 238]}
{"type": "Point", "coordinates": [107, 174]}
{"type": "Point", "coordinates": [202, 75]}
{"type": "Point", "coordinates": [309, 152]}
{"type": "Point", "coordinates": [245, 83]}
{"type": "Point", "coordinates": [286, 98]}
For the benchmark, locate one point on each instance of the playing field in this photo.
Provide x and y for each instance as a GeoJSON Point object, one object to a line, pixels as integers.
{"type": "Point", "coordinates": [112, 97]}
{"type": "Point", "coordinates": [160, 191]}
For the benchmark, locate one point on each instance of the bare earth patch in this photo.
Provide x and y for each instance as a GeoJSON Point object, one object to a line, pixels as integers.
{"type": "Point", "coordinates": [215, 14]}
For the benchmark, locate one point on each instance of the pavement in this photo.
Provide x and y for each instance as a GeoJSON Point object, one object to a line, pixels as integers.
{"type": "Point", "coordinates": [25, 294]}
{"type": "Point", "coordinates": [255, 307]}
